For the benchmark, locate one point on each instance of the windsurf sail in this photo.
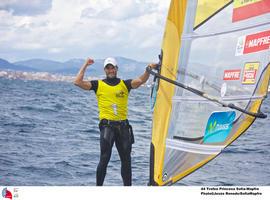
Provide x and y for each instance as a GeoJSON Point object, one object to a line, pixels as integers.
{"type": "Point", "coordinates": [213, 77]}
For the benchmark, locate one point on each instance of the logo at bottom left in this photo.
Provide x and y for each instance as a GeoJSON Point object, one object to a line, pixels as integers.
{"type": "Point", "coordinates": [6, 194]}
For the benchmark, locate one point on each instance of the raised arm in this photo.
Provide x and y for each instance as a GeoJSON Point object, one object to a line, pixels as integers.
{"type": "Point", "coordinates": [135, 83]}
{"type": "Point", "coordinates": [86, 85]}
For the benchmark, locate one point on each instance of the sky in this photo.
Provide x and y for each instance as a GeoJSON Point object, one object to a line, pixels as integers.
{"type": "Point", "coordinates": [61, 30]}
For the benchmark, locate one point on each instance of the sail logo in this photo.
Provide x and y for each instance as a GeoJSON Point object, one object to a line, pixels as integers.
{"type": "Point", "coordinates": [218, 126]}
{"type": "Point", "coordinates": [253, 43]}
{"type": "Point", "coordinates": [232, 74]}
{"type": "Point", "coordinates": [244, 9]}
{"type": "Point", "coordinates": [250, 73]}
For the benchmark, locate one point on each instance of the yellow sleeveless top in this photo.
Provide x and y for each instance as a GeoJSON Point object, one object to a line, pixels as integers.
{"type": "Point", "coordinates": [112, 101]}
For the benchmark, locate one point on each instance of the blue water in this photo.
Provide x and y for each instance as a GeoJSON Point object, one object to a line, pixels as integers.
{"type": "Point", "coordinates": [49, 136]}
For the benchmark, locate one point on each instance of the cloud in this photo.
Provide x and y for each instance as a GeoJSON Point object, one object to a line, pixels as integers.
{"type": "Point", "coordinates": [128, 27]}
{"type": "Point", "coordinates": [26, 7]}
{"type": "Point", "coordinates": [27, 46]}
{"type": "Point", "coordinates": [80, 28]}
{"type": "Point", "coordinates": [120, 10]}
{"type": "Point", "coordinates": [55, 50]}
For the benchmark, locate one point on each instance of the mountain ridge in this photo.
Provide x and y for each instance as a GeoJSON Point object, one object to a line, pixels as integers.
{"type": "Point", "coordinates": [127, 67]}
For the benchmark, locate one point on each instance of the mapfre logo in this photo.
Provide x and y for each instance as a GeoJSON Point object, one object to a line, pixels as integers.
{"type": "Point", "coordinates": [253, 43]}
{"type": "Point", "coordinates": [232, 74]}
{"type": "Point", "coordinates": [6, 194]}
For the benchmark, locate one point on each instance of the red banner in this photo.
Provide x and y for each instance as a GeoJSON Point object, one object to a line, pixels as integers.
{"type": "Point", "coordinates": [257, 42]}
{"type": "Point", "coordinates": [232, 74]}
{"type": "Point", "coordinates": [248, 10]}
{"type": "Point", "coordinates": [253, 43]}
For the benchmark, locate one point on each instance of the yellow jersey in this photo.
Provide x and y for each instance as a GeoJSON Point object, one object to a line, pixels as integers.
{"type": "Point", "coordinates": [112, 101]}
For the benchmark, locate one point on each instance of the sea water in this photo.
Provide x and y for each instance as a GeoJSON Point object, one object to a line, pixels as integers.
{"type": "Point", "coordinates": [49, 137]}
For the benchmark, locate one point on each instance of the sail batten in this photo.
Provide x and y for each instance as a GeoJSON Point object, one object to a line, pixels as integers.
{"type": "Point", "coordinates": [231, 98]}
{"type": "Point", "coordinates": [194, 148]}
{"type": "Point", "coordinates": [194, 36]}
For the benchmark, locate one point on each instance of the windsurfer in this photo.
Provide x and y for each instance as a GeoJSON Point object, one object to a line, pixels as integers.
{"type": "Point", "coordinates": [112, 97]}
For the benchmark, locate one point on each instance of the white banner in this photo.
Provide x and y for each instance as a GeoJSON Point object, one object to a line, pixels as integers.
{"type": "Point", "coordinates": [135, 193]}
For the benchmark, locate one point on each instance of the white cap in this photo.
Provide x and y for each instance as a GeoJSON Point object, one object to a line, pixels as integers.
{"type": "Point", "coordinates": [111, 61]}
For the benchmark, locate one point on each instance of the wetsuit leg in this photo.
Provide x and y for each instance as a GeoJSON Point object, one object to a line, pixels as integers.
{"type": "Point", "coordinates": [123, 145]}
{"type": "Point", "coordinates": [106, 144]}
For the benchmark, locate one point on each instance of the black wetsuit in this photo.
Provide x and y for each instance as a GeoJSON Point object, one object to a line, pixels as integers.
{"type": "Point", "coordinates": [121, 134]}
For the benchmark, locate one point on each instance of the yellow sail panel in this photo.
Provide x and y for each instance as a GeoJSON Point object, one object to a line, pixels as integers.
{"type": "Point", "coordinates": [170, 47]}
{"type": "Point", "coordinates": [207, 8]}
